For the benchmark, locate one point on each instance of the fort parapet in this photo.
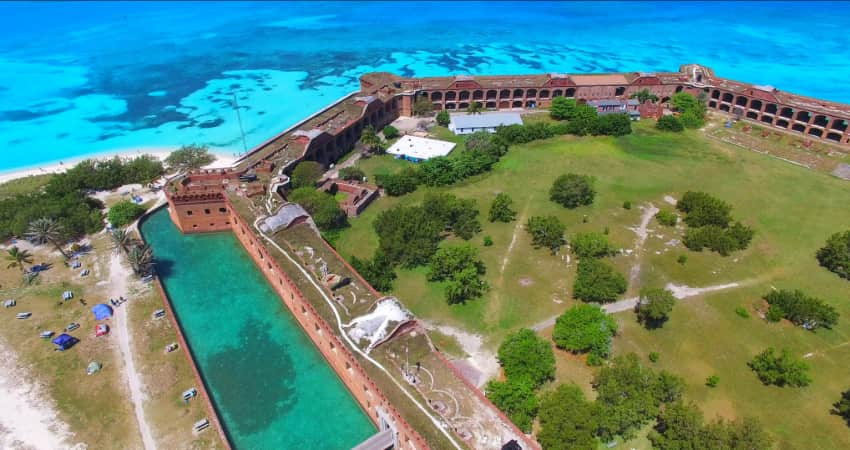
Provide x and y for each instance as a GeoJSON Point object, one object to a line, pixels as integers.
{"type": "Point", "coordinates": [219, 200]}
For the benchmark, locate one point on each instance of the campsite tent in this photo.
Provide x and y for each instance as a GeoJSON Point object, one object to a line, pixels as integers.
{"type": "Point", "coordinates": [65, 341]}
{"type": "Point", "coordinates": [101, 311]}
{"type": "Point", "coordinates": [93, 367]}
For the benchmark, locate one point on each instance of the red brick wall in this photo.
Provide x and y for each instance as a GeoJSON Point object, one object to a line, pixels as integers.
{"type": "Point", "coordinates": [200, 217]}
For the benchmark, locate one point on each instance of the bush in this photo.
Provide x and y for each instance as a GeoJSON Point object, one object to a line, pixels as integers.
{"type": "Point", "coordinates": [667, 218]}
{"type": "Point", "coordinates": [654, 356]}
{"type": "Point", "coordinates": [488, 241]}
{"type": "Point", "coordinates": [627, 205]}
{"type": "Point", "coordinates": [390, 132]}
{"type": "Point", "coordinates": [403, 182]}
{"type": "Point", "coordinates": [124, 213]}
{"type": "Point", "coordinates": [591, 245]}
{"type": "Point", "coordinates": [443, 118]}
{"type": "Point", "coordinates": [682, 259]}
{"type": "Point", "coordinates": [597, 281]}
{"type": "Point", "coordinates": [841, 408]}
{"type": "Point", "coordinates": [524, 355]}
{"type": "Point", "coordinates": [780, 370]}
{"type": "Point", "coordinates": [562, 108]}
{"type": "Point", "coordinates": [500, 209]}
{"type": "Point", "coordinates": [546, 232]}
{"type": "Point", "coordinates": [613, 125]}
{"type": "Point", "coordinates": [654, 306]}
{"type": "Point", "coordinates": [585, 328]}
{"type": "Point", "coordinates": [572, 190]}
{"type": "Point", "coordinates": [323, 208]}
{"type": "Point", "coordinates": [835, 255]}
{"type": "Point", "coordinates": [712, 381]}
{"type": "Point", "coordinates": [692, 119]}
{"type": "Point", "coordinates": [306, 174]}
{"type": "Point", "coordinates": [352, 173]}
{"type": "Point", "coordinates": [742, 312]}
{"type": "Point", "coordinates": [718, 239]}
{"type": "Point", "coordinates": [583, 121]}
{"type": "Point", "coordinates": [703, 209]}
{"type": "Point", "coordinates": [669, 123]}
{"type": "Point", "coordinates": [800, 309]}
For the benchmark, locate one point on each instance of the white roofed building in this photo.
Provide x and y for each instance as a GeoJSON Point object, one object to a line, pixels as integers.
{"type": "Point", "coordinates": [471, 123]}
{"type": "Point", "coordinates": [416, 149]}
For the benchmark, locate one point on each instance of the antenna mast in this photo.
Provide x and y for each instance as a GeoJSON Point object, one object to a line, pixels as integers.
{"type": "Point", "coordinates": [239, 118]}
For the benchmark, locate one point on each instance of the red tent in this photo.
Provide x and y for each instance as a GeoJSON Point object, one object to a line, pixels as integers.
{"type": "Point", "coordinates": [101, 329]}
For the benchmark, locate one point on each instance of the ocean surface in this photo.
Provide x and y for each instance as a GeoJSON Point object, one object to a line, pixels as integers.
{"type": "Point", "coordinates": [85, 78]}
{"type": "Point", "coordinates": [271, 386]}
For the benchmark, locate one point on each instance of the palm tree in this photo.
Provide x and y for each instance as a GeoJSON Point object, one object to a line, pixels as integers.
{"type": "Point", "coordinates": [18, 257]}
{"type": "Point", "coordinates": [141, 259]}
{"type": "Point", "coordinates": [474, 108]}
{"type": "Point", "coordinates": [122, 240]}
{"type": "Point", "coordinates": [370, 139]}
{"type": "Point", "coordinates": [644, 95]}
{"type": "Point", "coordinates": [46, 230]}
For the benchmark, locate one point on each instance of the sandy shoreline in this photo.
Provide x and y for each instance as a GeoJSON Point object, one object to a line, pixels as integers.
{"type": "Point", "coordinates": [222, 160]}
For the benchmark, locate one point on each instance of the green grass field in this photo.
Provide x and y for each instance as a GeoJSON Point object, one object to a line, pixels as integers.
{"type": "Point", "coordinates": [792, 209]}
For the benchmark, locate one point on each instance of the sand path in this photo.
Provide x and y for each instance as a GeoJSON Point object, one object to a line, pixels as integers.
{"type": "Point", "coordinates": [118, 276]}
{"type": "Point", "coordinates": [481, 363]}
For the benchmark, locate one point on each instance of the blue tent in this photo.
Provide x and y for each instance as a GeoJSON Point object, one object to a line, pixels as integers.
{"type": "Point", "coordinates": [65, 341]}
{"type": "Point", "coordinates": [101, 311]}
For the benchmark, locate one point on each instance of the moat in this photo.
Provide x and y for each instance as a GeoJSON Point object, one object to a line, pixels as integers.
{"type": "Point", "coordinates": [269, 384]}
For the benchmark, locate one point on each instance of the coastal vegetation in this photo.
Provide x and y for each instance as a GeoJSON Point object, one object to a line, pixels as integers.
{"type": "Point", "coordinates": [124, 213]}
{"type": "Point", "coordinates": [189, 157]}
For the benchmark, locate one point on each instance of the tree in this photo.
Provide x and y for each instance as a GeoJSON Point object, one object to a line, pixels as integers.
{"type": "Point", "coordinates": [452, 259]}
{"type": "Point", "coordinates": [121, 239]}
{"type": "Point", "coordinates": [141, 259]}
{"type": "Point", "coordinates": [691, 109]}
{"type": "Point", "coordinates": [516, 398]}
{"type": "Point", "coordinates": [669, 123]}
{"type": "Point", "coordinates": [390, 132]}
{"type": "Point", "coordinates": [585, 328]}
{"type": "Point", "coordinates": [407, 236]}
{"type": "Point", "coordinates": [683, 101]}
{"type": "Point", "coordinates": [443, 118]}
{"type": "Point", "coordinates": [572, 190]}
{"type": "Point", "coordinates": [835, 255]}
{"type": "Point", "coordinates": [583, 120]}
{"type": "Point", "coordinates": [842, 407]}
{"type": "Point", "coordinates": [546, 232]}
{"type": "Point", "coordinates": [399, 183]}
{"type": "Point", "coordinates": [44, 230]}
{"type": "Point", "coordinates": [474, 108]}
{"type": "Point", "coordinates": [500, 209]}
{"type": "Point", "coordinates": [490, 144]}
{"type": "Point", "coordinates": [124, 213]}
{"type": "Point", "coordinates": [644, 96]}
{"type": "Point", "coordinates": [422, 106]}
{"type": "Point", "coordinates": [591, 245]}
{"type": "Point", "coordinates": [352, 173]}
{"type": "Point", "coordinates": [455, 214]}
{"type": "Point", "coordinates": [667, 218]}
{"type": "Point", "coordinates": [378, 271]}
{"type": "Point", "coordinates": [306, 174]}
{"type": "Point", "coordinates": [525, 355]}
{"type": "Point", "coordinates": [323, 207]}
{"type": "Point", "coordinates": [613, 125]}
{"type": "Point", "coordinates": [465, 285]}
{"type": "Point", "coordinates": [780, 370]}
{"type": "Point", "coordinates": [189, 157]}
{"type": "Point", "coordinates": [598, 281]}
{"type": "Point", "coordinates": [800, 309]}
{"type": "Point", "coordinates": [692, 119]}
{"type": "Point", "coordinates": [654, 306]}
{"type": "Point", "coordinates": [17, 258]}
{"type": "Point", "coordinates": [703, 209]}
{"type": "Point", "coordinates": [562, 108]}
{"type": "Point", "coordinates": [567, 420]}
{"type": "Point", "coordinates": [680, 427]}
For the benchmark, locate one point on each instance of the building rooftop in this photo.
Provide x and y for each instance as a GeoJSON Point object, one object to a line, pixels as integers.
{"type": "Point", "coordinates": [420, 148]}
{"type": "Point", "coordinates": [489, 120]}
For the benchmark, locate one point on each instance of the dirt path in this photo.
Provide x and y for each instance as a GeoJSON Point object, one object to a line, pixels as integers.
{"type": "Point", "coordinates": [27, 417]}
{"type": "Point", "coordinates": [519, 221]}
{"type": "Point", "coordinates": [118, 276]}
{"type": "Point", "coordinates": [642, 233]}
{"type": "Point", "coordinates": [483, 362]}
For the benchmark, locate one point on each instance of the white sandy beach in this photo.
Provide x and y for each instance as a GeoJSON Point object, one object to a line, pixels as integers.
{"type": "Point", "coordinates": [222, 160]}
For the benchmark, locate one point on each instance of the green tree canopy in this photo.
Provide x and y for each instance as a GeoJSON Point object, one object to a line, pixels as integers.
{"type": "Point", "coordinates": [613, 125]}
{"type": "Point", "coordinates": [390, 132]}
{"type": "Point", "coordinates": [465, 285]}
{"type": "Point", "coordinates": [323, 207]}
{"type": "Point", "coordinates": [591, 245]}
{"type": "Point", "coordinates": [525, 355]}
{"type": "Point", "coordinates": [572, 190]}
{"type": "Point", "coordinates": [585, 328]}
{"type": "Point", "coordinates": [841, 408]}
{"type": "Point", "coordinates": [306, 174]}
{"type": "Point", "coordinates": [680, 427]}
{"type": "Point", "coordinates": [351, 173]}
{"type": "Point", "coordinates": [403, 182]}
{"type": "Point", "coordinates": [598, 281]}
{"type": "Point", "coordinates": [583, 120]}
{"type": "Point", "coordinates": [654, 306]}
{"type": "Point", "coordinates": [567, 420]}
{"type": "Point", "coordinates": [516, 398]}
{"type": "Point", "coordinates": [452, 259]}
{"type": "Point", "coordinates": [474, 108]}
{"type": "Point", "coordinates": [780, 370]}
{"type": "Point", "coordinates": [644, 96]}
{"type": "Point", "coordinates": [422, 106]}
{"type": "Point", "coordinates": [500, 209]}
{"type": "Point", "coordinates": [443, 118]}
{"type": "Point", "coordinates": [546, 232]}
{"type": "Point", "coordinates": [835, 255]}
{"type": "Point", "coordinates": [407, 235]}
{"type": "Point", "coordinates": [189, 157]}
{"type": "Point", "coordinates": [124, 213]}
{"type": "Point", "coordinates": [800, 309]}
{"type": "Point", "coordinates": [562, 108]}
{"type": "Point", "coordinates": [669, 123]}
{"type": "Point", "coordinates": [667, 218]}
{"type": "Point", "coordinates": [378, 271]}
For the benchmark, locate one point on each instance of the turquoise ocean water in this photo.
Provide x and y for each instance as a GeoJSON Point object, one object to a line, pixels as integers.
{"type": "Point", "coordinates": [95, 77]}
{"type": "Point", "coordinates": [271, 386]}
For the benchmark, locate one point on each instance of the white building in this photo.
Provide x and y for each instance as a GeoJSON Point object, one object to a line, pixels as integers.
{"type": "Point", "coordinates": [470, 123]}
{"type": "Point", "coordinates": [416, 149]}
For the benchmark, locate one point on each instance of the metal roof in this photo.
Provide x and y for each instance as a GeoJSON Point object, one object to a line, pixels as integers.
{"type": "Point", "coordinates": [282, 218]}
{"type": "Point", "coordinates": [485, 120]}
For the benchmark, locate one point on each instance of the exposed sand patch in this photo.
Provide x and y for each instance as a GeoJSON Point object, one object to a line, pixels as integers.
{"type": "Point", "coordinates": [642, 233]}
{"type": "Point", "coordinates": [671, 200]}
{"type": "Point", "coordinates": [482, 363]}
{"type": "Point", "coordinates": [525, 281]}
{"type": "Point", "coordinates": [28, 418]}
{"type": "Point", "coordinates": [682, 291]}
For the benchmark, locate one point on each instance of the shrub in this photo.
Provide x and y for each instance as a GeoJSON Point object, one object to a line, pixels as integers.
{"type": "Point", "coordinates": [562, 108]}
{"type": "Point", "coordinates": [583, 121]}
{"type": "Point", "coordinates": [422, 106]}
{"type": "Point", "coordinates": [352, 173]}
{"type": "Point", "coordinates": [742, 312]}
{"type": "Point", "coordinates": [400, 183]}
{"type": "Point", "coordinates": [124, 212]}
{"type": "Point", "coordinates": [488, 241]}
{"type": "Point", "coordinates": [669, 123]}
{"type": "Point", "coordinates": [500, 209]}
{"type": "Point", "coordinates": [667, 218]}
{"type": "Point", "coordinates": [627, 205]}
{"type": "Point", "coordinates": [546, 232]}
{"type": "Point", "coordinates": [800, 309]}
{"type": "Point", "coordinates": [775, 313]}
{"type": "Point", "coordinates": [585, 328]}
{"type": "Point", "coordinates": [720, 240]}
{"type": "Point", "coordinates": [443, 118]}
{"type": "Point", "coordinates": [524, 355]}
{"type": "Point", "coordinates": [682, 259]}
{"type": "Point", "coordinates": [780, 370]}
{"type": "Point", "coordinates": [597, 281]}
{"type": "Point", "coordinates": [835, 255]}
{"type": "Point", "coordinates": [306, 174]}
{"type": "Point", "coordinates": [712, 381]}
{"type": "Point", "coordinates": [692, 119]}
{"type": "Point", "coordinates": [591, 245]}
{"type": "Point", "coordinates": [390, 132]}
{"type": "Point", "coordinates": [841, 408]}
{"type": "Point", "coordinates": [613, 125]}
{"type": "Point", "coordinates": [654, 356]}
{"type": "Point", "coordinates": [572, 190]}
{"type": "Point", "coordinates": [703, 209]}
{"type": "Point", "coordinates": [654, 306]}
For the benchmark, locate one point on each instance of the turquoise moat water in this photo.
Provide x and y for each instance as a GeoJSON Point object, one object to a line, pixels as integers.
{"type": "Point", "coordinates": [270, 385]}
{"type": "Point", "coordinates": [123, 76]}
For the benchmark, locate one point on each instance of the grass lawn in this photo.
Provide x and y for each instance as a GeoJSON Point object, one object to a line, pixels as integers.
{"type": "Point", "coordinates": [792, 209]}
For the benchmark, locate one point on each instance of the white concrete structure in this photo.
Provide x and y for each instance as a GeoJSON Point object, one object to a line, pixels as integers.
{"type": "Point", "coordinates": [415, 148]}
{"type": "Point", "coordinates": [471, 123]}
